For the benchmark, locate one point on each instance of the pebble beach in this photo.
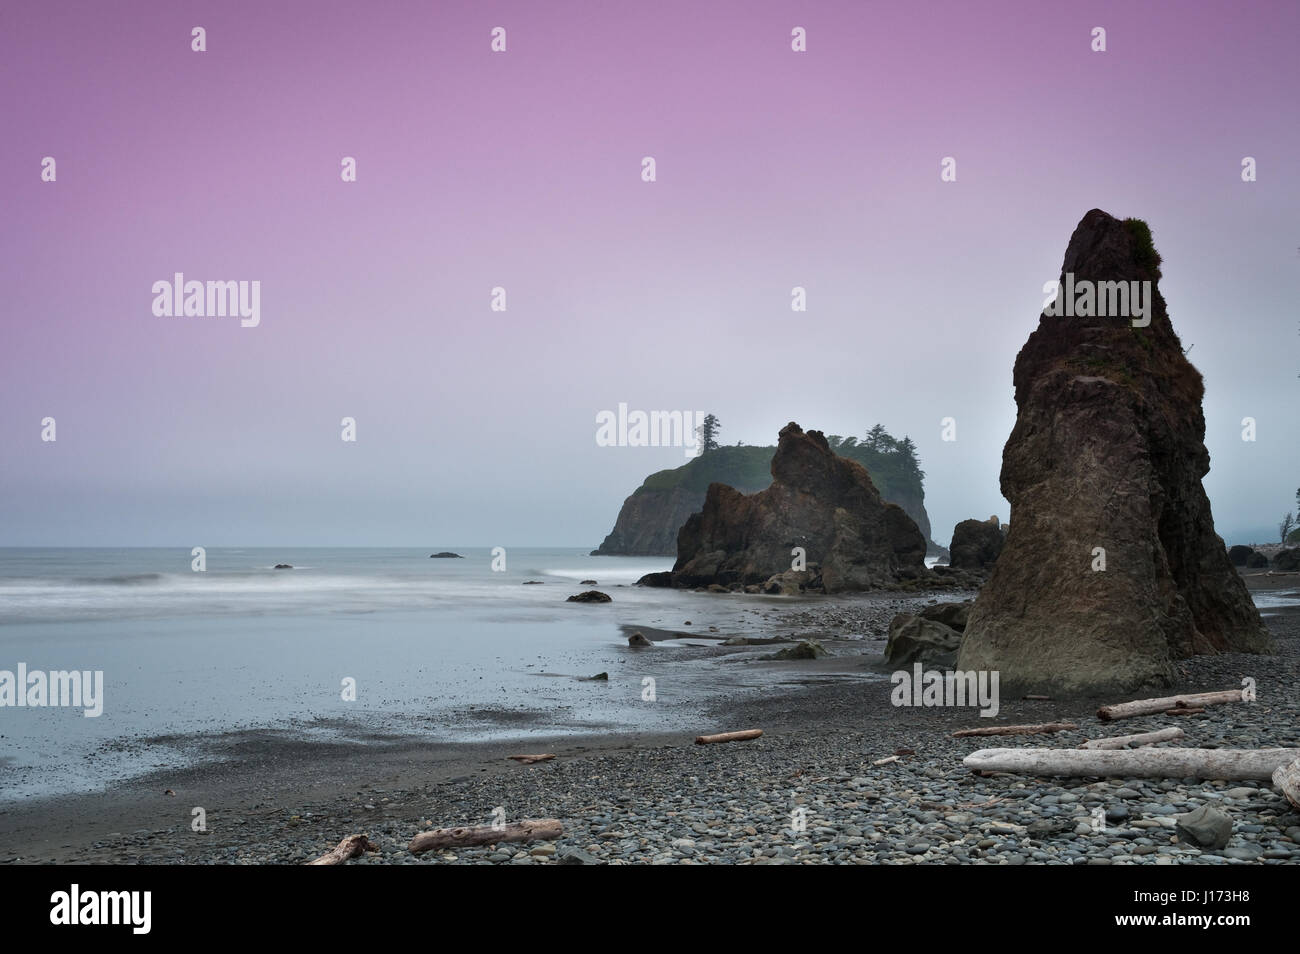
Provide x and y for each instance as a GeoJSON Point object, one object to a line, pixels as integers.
{"type": "Point", "coordinates": [822, 785]}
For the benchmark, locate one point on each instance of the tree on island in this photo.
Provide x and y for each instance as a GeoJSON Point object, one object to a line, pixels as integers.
{"type": "Point", "coordinates": [708, 433]}
{"type": "Point", "coordinates": [879, 440]}
{"type": "Point", "coordinates": [911, 465]}
{"type": "Point", "coordinates": [1286, 526]}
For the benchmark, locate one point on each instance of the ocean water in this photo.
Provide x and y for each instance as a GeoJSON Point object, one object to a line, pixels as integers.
{"type": "Point", "coordinates": [445, 647]}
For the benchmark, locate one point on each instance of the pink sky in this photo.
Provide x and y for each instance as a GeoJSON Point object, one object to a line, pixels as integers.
{"type": "Point", "coordinates": [522, 169]}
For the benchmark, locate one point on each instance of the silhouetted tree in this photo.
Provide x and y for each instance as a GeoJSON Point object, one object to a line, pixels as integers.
{"type": "Point", "coordinates": [708, 433]}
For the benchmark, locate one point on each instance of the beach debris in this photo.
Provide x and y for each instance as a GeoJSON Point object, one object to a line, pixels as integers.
{"type": "Point", "coordinates": [1287, 778]}
{"type": "Point", "coordinates": [349, 847]}
{"type": "Point", "coordinates": [886, 760]}
{"type": "Point", "coordinates": [590, 596]}
{"type": "Point", "coordinates": [1138, 739]}
{"type": "Point", "coordinates": [1185, 712]}
{"type": "Point", "coordinates": [638, 640]}
{"type": "Point", "coordinates": [530, 759]}
{"type": "Point", "coordinates": [1172, 705]}
{"type": "Point", "coordinates": [1039, 728]}
{"type": "Point", "coordinates": [1037, 698]}
{"type": "Point", "coordinates": [1223, 764]}
{"type": "Point", "coordinates": [538, 829]}
{"type": "Point", "coordinates": [1206, 827]}
{"type": "Point", "coordinates": [744, 735]}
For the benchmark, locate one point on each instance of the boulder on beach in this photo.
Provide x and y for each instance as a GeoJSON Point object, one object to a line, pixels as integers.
{"type": "Point", "coordinates": [1287, 561]}
{"type": "Point", "coordinates": [1112, 570]}
{"type": "Point", "coordinates": [914, 639]}
{"type": "Point", "coordinates": [823, 504]}
{"type": "Point", "coordinates": [1239, 554]}
{"type": "Point", "coordinates": [656, 579]}
{"type": "Point", "coordinates": [804, 649]}
{"type": "Point", "coordinates": [638, 640]}
{"type": "Point", "coordinates": [587, 583]}
{"type": "Point", "coordinates": [445, 555]}
{"type": "Point", "coordinates": [284, 566]}
{"type": "Point", "coordinates": [952, 615]}
{"type": "Point", "coordinates": [975, 544]}
{"type": "Point", "coordinates": [1205, 827]}
{"type": "Point", "coordinates": [590, 596]}
{"type": "Point", "coordinates": [1256, 561]}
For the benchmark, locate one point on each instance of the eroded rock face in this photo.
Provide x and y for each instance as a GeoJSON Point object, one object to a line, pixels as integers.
{"type": "Point", "coordinates": [1104, 468]}
{"type": "Point", "coordinates": [824, 503]}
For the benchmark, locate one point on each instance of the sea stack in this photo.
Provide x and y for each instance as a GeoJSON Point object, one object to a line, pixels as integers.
{"type": "Point", "coordinates": [818, 501]}
{"type": "Point", "coordinates": [1111, 570]}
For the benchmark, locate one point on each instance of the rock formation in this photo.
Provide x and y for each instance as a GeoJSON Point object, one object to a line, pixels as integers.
{"type": "Point", "coordinates": [650, 518]}
{"type": "Point", "coordinates": [975, 544]}
{"type": "Point", "coordinates": [1239, 554]}
{"type": "Point", "coordinates": [823, 503]}
{"type": "Point", "coordinates": [1287, 561]}
{"type": "Point", "coordinates": [1111, 570]}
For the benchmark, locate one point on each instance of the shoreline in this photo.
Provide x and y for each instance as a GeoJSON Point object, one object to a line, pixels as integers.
{"type": "Point", "coordinates": [638, 797]}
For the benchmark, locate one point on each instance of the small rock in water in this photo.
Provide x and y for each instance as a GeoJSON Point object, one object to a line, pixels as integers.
{"type": "Point", "coordinates": [590, 596]}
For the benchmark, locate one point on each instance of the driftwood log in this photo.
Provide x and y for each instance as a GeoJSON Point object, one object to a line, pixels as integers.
{"type": "Point", "coordinates": [349, 847]}
{"type": "Point", "coordinates": [1138, 739]}
{"type": "Point", "coordinates": [1287, 778]}
{"type": "Point", "coordinates": [1040, 728]}
{"type": "Point", "coordinates": [532, 830]}
{"type": "Point", "coordinates": [1172, 705]}
{"type": "Point", "coordinates": [743, 735]}
{"type": "Point", "coordinates": [1134, 763]}
{"type": "Point", "coordinates": [530, 759]}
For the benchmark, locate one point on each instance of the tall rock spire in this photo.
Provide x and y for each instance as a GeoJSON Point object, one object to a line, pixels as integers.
{"type": "Point", "coordinates": [1111, 569]}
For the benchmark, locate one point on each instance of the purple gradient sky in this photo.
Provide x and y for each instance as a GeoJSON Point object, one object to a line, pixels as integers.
{"type": "Point", "coordinates": [478, 169]}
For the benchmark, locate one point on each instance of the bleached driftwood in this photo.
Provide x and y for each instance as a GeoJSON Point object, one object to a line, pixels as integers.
{"type": "Point", "coordinates": [532, 830]}
{"type": "Point", "coordinates": [1125, 710]}
{"type": "Point", "coordinates": [1134, 763]}
{"type": "Point", "coordinates": [349, 847]}
{"type": "Point", "coordinates": [743, 735]}
{"type": "Point", "coordinates": [1287, 778]}
{"type": "Point", "coordinates": [886, 760]}
{"type": "Point", "coordinates": [1040, 728]}
{"type": "Point", "coordinates": [1138, 739]}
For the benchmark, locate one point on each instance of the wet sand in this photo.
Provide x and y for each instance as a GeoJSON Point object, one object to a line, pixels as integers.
{"type": "Point", "coordinates": [275, 796]}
